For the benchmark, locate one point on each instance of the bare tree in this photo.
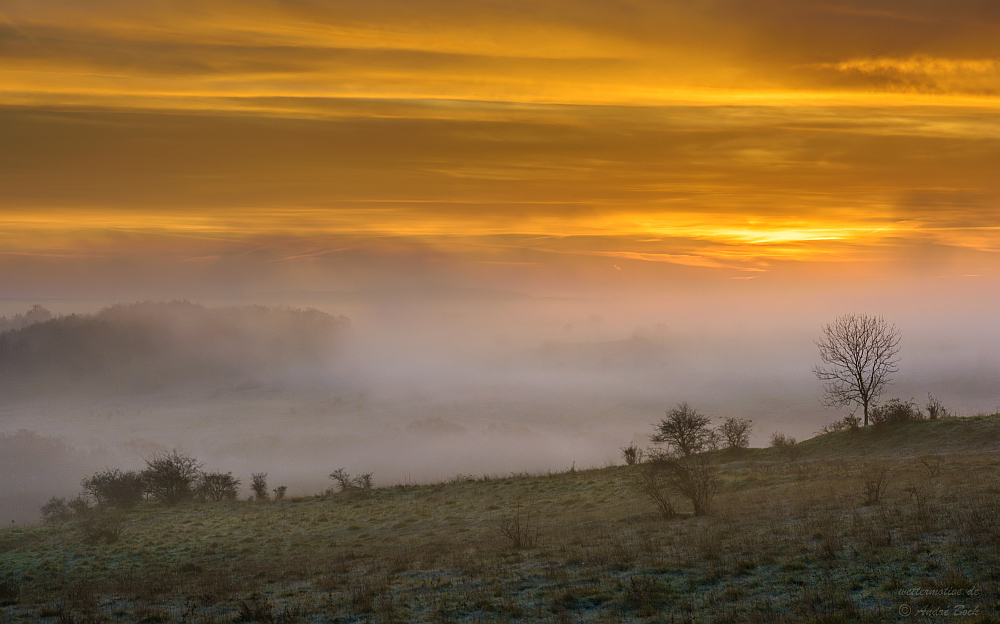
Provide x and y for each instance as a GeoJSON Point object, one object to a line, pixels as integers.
{"type": "Point", "coordinates": [735, 433]}
{"type": "Point", "coordinates": [860, 357]}
{"type": "Point", "coordinates": [217, 487]}
{"type": "Point", "coordinates": [170, 478]}
{"type": "Point", "coordinates": [686, 430]}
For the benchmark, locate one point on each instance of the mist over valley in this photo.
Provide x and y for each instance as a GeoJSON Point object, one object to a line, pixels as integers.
{"type": "Point", "coordinates": [413, 385]}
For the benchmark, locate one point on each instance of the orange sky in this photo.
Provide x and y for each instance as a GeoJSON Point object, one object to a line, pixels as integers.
{"type": "Point", "coordinates": [536, 143]}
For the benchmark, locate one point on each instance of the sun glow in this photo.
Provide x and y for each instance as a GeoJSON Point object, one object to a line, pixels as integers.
{"type": "Point", "coordinates": [499, 134]}
{"type": "Point", "coordinates": [683, 239]}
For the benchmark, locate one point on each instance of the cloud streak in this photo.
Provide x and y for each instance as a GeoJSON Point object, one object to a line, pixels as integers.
{"type": "Point", "coordinates": [765, 131]}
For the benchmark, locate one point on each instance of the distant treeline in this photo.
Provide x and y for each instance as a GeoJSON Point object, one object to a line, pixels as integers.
{"type": "Point", "coordinates": [148, 346]}
{"type": "Point", "coordinates": [36, 314]}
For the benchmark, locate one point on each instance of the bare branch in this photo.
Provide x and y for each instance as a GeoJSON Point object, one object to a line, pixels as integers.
{"type": "Point", "coordinates": [860, 356]}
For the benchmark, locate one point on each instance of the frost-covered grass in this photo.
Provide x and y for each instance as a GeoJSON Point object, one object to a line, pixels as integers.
{"type": "Point", "coordinates": [789, 539]}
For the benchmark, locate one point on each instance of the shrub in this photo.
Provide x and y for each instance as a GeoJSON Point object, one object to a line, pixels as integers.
{"type": "Point", "coordinates": [875, 480]}
{"type": "Point", "coordinates": [115, 488]}
{"type": "Point", "coordinates": [934, 408]}
{"type": "Point", "coordinates": [652, 481]}
{"type": "Point", "coordinates": [735, 433]}
{"type": "Point", "coordinates": [632, 454]}
{"type": "Point", "coordinates": [79, 506]}
{"type": "Point", "coordinates": [895, 412]}
{"type": "Point", "coordinates": [217, 487]}
{"type": "Point", "coordinates": [360, 485]}
{"type": "Point", "coordinates": [932, 462]}
{"type": "Point", "coordinates": [56, 511]}
{"type": "Point", "coordinates": [279, 492]}
{"type": "Point", "coordinates": [695, 477]}
{"type": "Point", "coordinates": [364, 482]}
{"type": "Point", "coordinates": [517, 528]}
{"type": "Point", "coordinates": [780, 440]}
{"type": "Point", "coordinates": [342, 479]}
{"type": "Point", "coordinates": [171, 478]}
{"type": "Point", "coordinates": [259, 486]}
{"type": "Point", "coordinates": [850, 422]}
{"type": "Point", "coordinates": [785, 445]}
{"type": "Point", "coordinates": [685, 430]}
{"type": "Point", "coordinates": [106, 527]}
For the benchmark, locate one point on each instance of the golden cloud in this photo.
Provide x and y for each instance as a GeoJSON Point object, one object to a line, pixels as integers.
{"type": "Point", "coordinates": [737, 133]}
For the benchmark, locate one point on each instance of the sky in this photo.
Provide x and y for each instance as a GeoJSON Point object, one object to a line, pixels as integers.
{"type": "Point", "coordinates": [559, 148]}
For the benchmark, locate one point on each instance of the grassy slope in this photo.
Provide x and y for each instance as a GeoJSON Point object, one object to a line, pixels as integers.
{"type": "Point", "coordinates": [789, 539]}
{"type": "Point", "coordinates": [946, 435]}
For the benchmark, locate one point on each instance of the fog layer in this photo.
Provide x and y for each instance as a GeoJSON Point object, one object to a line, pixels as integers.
{"type": "Point", "coordinates": [422, 385]}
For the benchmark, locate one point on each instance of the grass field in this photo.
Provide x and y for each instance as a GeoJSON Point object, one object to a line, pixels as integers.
{"type": "Point", "coordinates": [790, 538]}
